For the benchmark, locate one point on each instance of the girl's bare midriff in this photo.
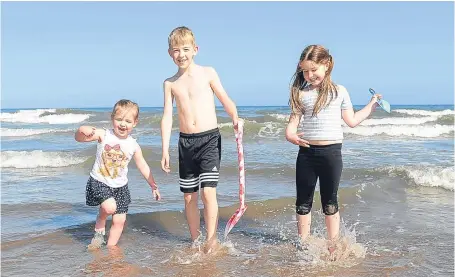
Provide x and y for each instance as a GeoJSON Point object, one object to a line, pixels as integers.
{"type": "Point", "coordinates": [324, 142]}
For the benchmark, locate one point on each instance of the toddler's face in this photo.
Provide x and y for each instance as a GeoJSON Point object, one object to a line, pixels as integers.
{"type": "Point", "coordinates": [123, 122]}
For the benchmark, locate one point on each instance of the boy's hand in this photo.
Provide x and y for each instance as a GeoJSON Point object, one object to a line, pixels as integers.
{"type": "Point", "coordinates": [165, 163]}
{"type": "Point", "coordinates": [297, 140]}
{"type": "Point", "coordinates": [156, 194]}
{"type": "Point", "coordinates": [235, 123]}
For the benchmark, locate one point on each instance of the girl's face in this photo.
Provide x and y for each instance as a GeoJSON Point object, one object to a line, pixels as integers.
{"type": "Point", "coordinates": [123, 122]}
{"type": "Point", "coordinates": [313, 72]}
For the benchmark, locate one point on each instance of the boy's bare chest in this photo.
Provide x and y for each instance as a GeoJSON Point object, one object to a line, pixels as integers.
{"type": "Point", "coordinates": [191, 88]}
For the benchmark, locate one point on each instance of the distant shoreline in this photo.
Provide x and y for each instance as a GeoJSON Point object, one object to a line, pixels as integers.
{"type": "Point", "coordinates": [220, 107]}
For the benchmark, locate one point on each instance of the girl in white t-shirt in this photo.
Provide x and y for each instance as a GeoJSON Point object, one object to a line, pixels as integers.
{"type": "Point", "coordinates": [108, 182]}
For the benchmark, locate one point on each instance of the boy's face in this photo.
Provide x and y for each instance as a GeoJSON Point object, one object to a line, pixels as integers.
{"type": "Point", "coordinates": [183, 55]}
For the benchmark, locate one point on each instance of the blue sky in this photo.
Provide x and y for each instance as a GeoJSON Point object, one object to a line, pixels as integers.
{"type": "Point", "coordinates": [90, 54]}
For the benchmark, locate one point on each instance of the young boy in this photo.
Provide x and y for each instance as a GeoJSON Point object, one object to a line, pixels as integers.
{"type": "Point", "coordinates": [193, 88]}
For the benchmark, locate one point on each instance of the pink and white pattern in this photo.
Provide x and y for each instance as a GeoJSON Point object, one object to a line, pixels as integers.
{"type": "Point", "coordinates": [241, 210]}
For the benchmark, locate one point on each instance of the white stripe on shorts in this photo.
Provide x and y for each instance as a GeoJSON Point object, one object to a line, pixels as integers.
{"type": "Point", "coordinates": [209, 180]}
{"type": "Point", "coordinates": [209, 174]}
{"type": "Point", "coordinates": [189, 186]}
{"type": "Point", "coordinates": [210, 177]}
{"type": "Point", "coordinates": [189, 182]}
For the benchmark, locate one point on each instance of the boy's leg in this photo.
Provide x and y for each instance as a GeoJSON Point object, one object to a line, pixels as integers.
{"type": "Point", "coordinates": [210, 213]}
{"type": "Point", "coordinates": [189, 181]}
{"type": "Point", "coordinates": [210, 160]}
{"type": "Point", "coordinates": [118, 222]}
{"type": "Point", "coordinates": [192, 214]}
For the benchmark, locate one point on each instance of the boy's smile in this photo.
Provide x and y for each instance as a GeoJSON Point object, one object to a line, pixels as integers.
{"type": "Point", "coordinates": [183, 55]}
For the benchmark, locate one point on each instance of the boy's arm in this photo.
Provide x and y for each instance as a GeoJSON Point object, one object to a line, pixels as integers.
{"type": "Point", "coordinates": [221, 94]}
{"type": "Point", "coordinates": [144, 169]}
{"type": "Point", "coordinates": [166, 124]}
{"type": "Point", "coordinates": [89, 133]}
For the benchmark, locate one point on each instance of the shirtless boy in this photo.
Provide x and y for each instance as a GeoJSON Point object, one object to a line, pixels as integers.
{"type": "Point", "coordinates": [193, 88]}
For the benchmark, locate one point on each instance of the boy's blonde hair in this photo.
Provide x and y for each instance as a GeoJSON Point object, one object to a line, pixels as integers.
{"type": "Point", "coordinates": [125, 105]}
{"type": "Point", "coordinates": [180, 36]}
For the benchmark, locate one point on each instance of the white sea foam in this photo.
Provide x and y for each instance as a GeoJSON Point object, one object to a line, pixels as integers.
{"type": "Point", "coordinates": [420, 123]}
{"type": "Point", "coordinates": [4, 132]}
{"type": "Point", "coordinates": [229, 124]}
{"type": "Point", "coordinates": [38, 158]}
{"type": "Point", "coordinates": [398, 121]}
{"type": "Point", "coordinates": [423, 116]}
{"type": "Point", "coordinates": [280, 117]}
{"type": "Point", "coordinates": [428, 176]}
{"type": "Point", "coordinates": [222, 125]}
{"type": "Point", "coordinates": [425, 131]}
{"type": "Point", "coordinates": [270, 129]}
{"type": "Point", "coordinates": [425, 112]}
{"type": "Point", "coordinates": [34, 116]}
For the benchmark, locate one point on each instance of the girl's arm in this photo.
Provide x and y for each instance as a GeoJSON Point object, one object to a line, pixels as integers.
{"type": "Point", "coordinates": [144, 168]}
{"type": "Point", "coordinates": [291, 131]}
{"type": "Point", "coordinates": [353, 119]}
{"type": "Point", "coordinates": [89, 133]}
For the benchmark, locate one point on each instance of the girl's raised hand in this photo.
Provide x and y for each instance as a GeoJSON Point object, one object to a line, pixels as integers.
{"type": "Point", "coordinates": [376, 97]}
{"type": "Point", "coordinates": [374, 100]}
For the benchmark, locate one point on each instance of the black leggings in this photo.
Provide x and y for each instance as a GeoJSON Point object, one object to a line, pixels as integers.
{"type": "Point", "coordinates": [326, 163]}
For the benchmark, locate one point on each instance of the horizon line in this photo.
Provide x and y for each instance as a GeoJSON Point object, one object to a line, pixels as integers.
{"type": "Point", "coordinates": [220, 106]}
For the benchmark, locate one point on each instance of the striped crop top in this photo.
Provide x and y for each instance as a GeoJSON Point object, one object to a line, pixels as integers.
{"type": "Point", "coordinates": [326, 125]}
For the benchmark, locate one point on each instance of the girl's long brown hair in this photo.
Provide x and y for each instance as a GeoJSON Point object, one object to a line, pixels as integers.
{"type": "Point", "coordinates": [319, 55]}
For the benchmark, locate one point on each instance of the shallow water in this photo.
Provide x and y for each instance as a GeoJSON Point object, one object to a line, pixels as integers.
{"type": "Point", "coordinates": [396, 200]}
